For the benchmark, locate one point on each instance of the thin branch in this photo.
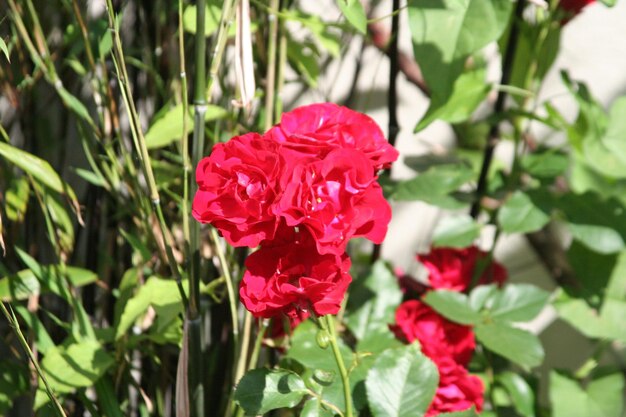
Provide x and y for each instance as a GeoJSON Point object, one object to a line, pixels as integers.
{"type": "Point", "coordinates": [493, 137]}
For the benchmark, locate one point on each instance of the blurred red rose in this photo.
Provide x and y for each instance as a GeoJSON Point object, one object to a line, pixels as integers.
{"type": "Point", "coordinates": [237, 185]}
{"type": "Point", "coordinates": [317, 129]}
{"type": "Point", "coordinates": [452, 269]}
{"type": "Point", "coordinates": [457, 390]}
{"type": "Point", "coordinates": [292, 279]}
{"type": "Point", "coordinates": [573, 7]}
{"type": "Point", "coordinates": [440, 338]}
{"type": "Point", "coordinates": [335, 198]}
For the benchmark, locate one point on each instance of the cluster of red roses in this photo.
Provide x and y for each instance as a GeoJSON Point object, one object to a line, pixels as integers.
{"type": "Point", "coordinates": [300, 192]}
{"type": "Point", "coordinates": [449, 345]}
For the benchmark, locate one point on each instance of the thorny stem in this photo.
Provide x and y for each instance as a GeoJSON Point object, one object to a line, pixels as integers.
{"type": "Point", "coordinates": [392, 95]}
{"type": "Point", "coordinates": [494, 133]}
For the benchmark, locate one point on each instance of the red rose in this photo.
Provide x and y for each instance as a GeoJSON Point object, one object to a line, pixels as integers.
{"type": "Point", "coordinates": [335, 198]}
{"type": "Point", "coordinates": [439, 337]}
{"type": "Point", "coordinates": [573, 7]}
{"type": "Point", "coordinates": [452, 269]}
{"type": "Point", "coordinates": [292, 279]}
{"type": "Point", "coordinates": [237, 187]}
{"type": "Point", "coordinates": [457, 391]}
{"type": "Point", "coordinates": [317, 129]}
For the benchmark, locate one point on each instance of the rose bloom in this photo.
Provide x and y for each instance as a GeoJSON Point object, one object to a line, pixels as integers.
{"type": "Point", "coordinates": [452, 269]}
{"type": "Point", "coordinates": [573, 7]}
{"type": "Point", "coordinates": [335, 198]}
{"type": "Point", "coordinates": [457, 390]}
{"type": "Point", "coordinates": [440, 338]}
{"type": "Point", "coordinates": [294, 279]}
{"type": "Point", "coordinates": [237, 185]}
{"type": "Point", "coordinates": [317, 129]}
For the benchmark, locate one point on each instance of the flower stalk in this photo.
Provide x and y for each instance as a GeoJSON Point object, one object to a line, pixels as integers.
{"type": "Point", "coordinates": [328, 323]}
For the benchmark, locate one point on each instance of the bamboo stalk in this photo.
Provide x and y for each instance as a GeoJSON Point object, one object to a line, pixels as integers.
{"type": "Point", "coordinates": [184, 139]}
{"type": "Point", "coordinates": [140, 142]}
{"type": "Point", "coordinates": [270, 88]}
{"type": "Point", "coordinates": [20, 336]}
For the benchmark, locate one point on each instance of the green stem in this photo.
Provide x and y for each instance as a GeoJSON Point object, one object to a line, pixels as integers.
{"type": "Point", "coordinates": [254, 357]}
{"type": "Point", "coordinates": [228, 12]}
{"type": "Point", "coordinates": [282, 63]}
{"type": "Point", "coordinates": [140, 142]}
{"type": "Point", "coordinates": [328, 323]}
{"type": "Point", "coordinates": [270, 89]}
{"type": "Point", "coordinates": [16, 328]}
{"type": "Point", "coordinates": [184, 145]}
{"type": "Point", "coordinates": [200, 103]}
{"type": "Point", "coordinates": [230, 286]}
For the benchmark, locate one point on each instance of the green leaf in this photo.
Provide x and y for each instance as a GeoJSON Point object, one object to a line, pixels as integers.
{"type": "Point", "coordinates": [378, 341]}
{"type": "Point", "coordinates": [107, 399]}
{"type": "Point", "coordinates": [354, 13]}
{"type": "Point", "coordinates": [602, 398]}
{"type": "Point", "coordinates": [521, 394]}
{"type": "Point", "coordinates": [168, 126]}
{"type": "Point", "coordinates": [517, 345]}
{"type": "Point", "coordinates": [593, 271]}
{"type": "Point", "coordinates": [17, 199]}
{"type": "Point", "coordinates": [13, 382]}
{"type": "Point", "coordinates": [456, 232]}
{"type": "Point", "coordinates": [91, 177]}
{"type": "Point", "coordinates": [304, 58]}
{"type": "Point", "coordinates": [61, 220]}
{"type": "Point", "coordinates": [304, 349]}
{"type": "Point", "coordinates": [4, 49]}
{"type": "Point", "coordinates": [74, 104]}
{"type": "Point", "coordinates": [520, 215]}
{"type": "Point", "coordinates": [531, 53]}
{"type": "Point", "coordinates": [545, 163]}
{"type": "Point", "coordinates": [452, 305]}
{"type": "Point", "coordinates": [39, 169]}
{"type": "Point", "coordinates": [313, 408]}
{"type": "Point", "coordinates": [161, 294]}
{"type": "Point", "coordinates": [446, 32]}
{"type": "Point", "coordinates": [469, 90]}
{"type": "Point", "coordinates": [262, 390]}
{"type": "Point", "coordinates": [75, 366]}
{"type": "Point", "coordinates": [482, 296]}
{"type": "Point", "coordinates": [599, 224]}
{"type": "Point", "coordinates": [606, 151]}
{"type": "Point", "coordinates": [435, 186]}
{"type": "Point", "coordinates": [518, 303]}
{"type": "Point", "coordinates": [401, 383]}
{"type": "Point", "coordinates": [21, 285]}
{"type": "Point", "coordinates": [582, 317]}
{"type": "Point", "coordinates": [44, 341]}
{"type": "Point", "coordinates": [373, 301]}
{"type": "Point", "coordinates": [320, 29]}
